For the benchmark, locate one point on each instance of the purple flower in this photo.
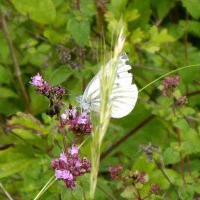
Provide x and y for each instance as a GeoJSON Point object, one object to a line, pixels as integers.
{"type": "Point", "coordinates": [140, 177]}
{"type": "Point", "coordinates": [43, 87]}
{"type": "Point", "coordinates": [54, 94]}
{"type": "Point", "coordinates": [114, 171]}
{"type": "Point", "coordinates": [155, 189]}
{"type": "Point", "coordinates": [58, 90]}
{"type": "Point", "coordinates": [63, 174]}
{"type": "Point", "coordinates": [37, 80]}
{"type": "Point", "coordinates": [78, 123]}
{"type": "Point", "coordinates": [74, 150]}
{"type": "Point", "coordinates": [63, 157]}
{"type": "Point", "coordinates": [69, 166]}
{"type": "Point", "coordinates": [170, 83]}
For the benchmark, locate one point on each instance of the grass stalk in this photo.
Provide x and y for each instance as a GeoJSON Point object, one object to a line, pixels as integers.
{"type": "Point", "coordinates": [107, 77]}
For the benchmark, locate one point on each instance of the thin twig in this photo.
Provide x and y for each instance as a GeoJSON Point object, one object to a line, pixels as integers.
{"type": "Point", "coordinates": [186, 39]}
{"type": "Point", "coordinates": [171, 72]}
{"type": "Point", "coordinates": [167, 60]}
{"type": "Point", "coordinates": [181, 156]}
{"type": "Point", "coordinates": [146, 121]}
{"type": "Point", "coordinates": [14, 58]}
{"type": "Point", "coordinates": [165, 175]}
{"type": "Point", "coordinates": [5, 192]}
{"type": "Point", "coordinates": [193, 93]}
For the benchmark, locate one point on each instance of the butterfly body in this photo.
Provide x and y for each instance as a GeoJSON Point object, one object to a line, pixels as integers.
{"type": "Point", "coordinates": [123, 96]}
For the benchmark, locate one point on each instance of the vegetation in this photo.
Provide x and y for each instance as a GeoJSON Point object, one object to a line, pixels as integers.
{"type": "Point", "coordinates": [152, 153]}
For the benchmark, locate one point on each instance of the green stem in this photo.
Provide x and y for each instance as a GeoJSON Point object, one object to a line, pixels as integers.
{"type": "Point", "coordinates": [46, 187]}
{"type": "Point", "coordinates": [171, 72]}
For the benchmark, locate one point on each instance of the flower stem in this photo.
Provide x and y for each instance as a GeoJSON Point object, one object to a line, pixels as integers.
{"type": "Point", "coordinates": [47, 186]}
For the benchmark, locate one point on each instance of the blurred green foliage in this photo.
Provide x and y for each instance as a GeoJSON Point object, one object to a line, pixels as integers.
{"type": "Point", "coordinates": [62, 40]}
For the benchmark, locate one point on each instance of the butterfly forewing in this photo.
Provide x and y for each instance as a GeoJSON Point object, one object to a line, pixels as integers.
{"type": "Point", "coordinates": [124, 94]}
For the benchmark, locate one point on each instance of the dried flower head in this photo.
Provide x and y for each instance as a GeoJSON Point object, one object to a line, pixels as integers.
{"type": "Point", "coordinates": [155, 189]}
{"type": "Point", "coordinates": [114, 171]}
{"type": "Point", "coordinates": [64, 54]}
{"type": "Point", "coordinates": [148, 150]}
{"type": "Point", "coordinates": [140, 177]}
{"type": "Point", "coordinates": [170, 83]}
{"type": "Point", "coordinates": [78, 123]}
{"type": "Point", "coordinates": [181, 101]}
{"type": "Point", "coordinates": [70, 165]}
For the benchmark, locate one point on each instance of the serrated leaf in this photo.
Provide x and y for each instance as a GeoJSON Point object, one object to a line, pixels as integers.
{"type": "Point", "coordinates": [87, 8]}
{"type": "Point", "coordinates": [137, 36]}
{"type": "Point", "coordinates": [128, 193]}
{"type": "Point", "coordinates": [117, 7]}
{"type": "Point", "coordinates": [162, 7]}
{"type": "Point", "coordinates": [182, 125]}
{"type": "Point", "coordinates": [60, 75]}
{"type": "Point", "coordinates": [171, 156]}
{"type": "Point", "coordinates": [40, 11]}
{"type": "Point", "coordinates": [156, 39]}
{"type": "Point", "coordinates": [193, 7]}
{"type": "Point", "coordinates": [79, 30]}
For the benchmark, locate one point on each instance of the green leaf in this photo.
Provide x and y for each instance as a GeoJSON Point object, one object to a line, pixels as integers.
{"type": "Point", "coordinates": [87, 8]}
{"type": "Point", "coordinates": [60, 75]}
{"type": "Point", "coordinates": [143, 165]}
{"type": "Point", "coordinates": [171, 156]}
{"type": "Point", "coordinates": [27, 122]}
{"type": "Point", "coordinates": [156, 39]}
{"type": "Point", "coordinates": [5, 78]}
{"type": "Point", "coordinates": [144, 12]}
{"type": "Point", "coordinates": [7, 93]}
{"type": "Point", "coordinates": [182, 124]}
{"type": "Point", "coordinates": [54, 36]}
{"type": "Point", "coordinates": [186, 192]}
{"type": "Point", "coordinates": [128, 192]}
{"type": "Point", "coordinates": [80, 30]}
{"type": "Point", "coordinates": [157, 177]}
{"type": "Point", "coordinates": [117, 7]}
{"type": "Point", "coordinates": [194, 28]}
{"type": "Point", "coordinates": [162, 7]}
{"type": "Point", "coordinates": [197, 187]}
{"type": "Point", "coordinates": [193, 7]}
{"type": "Point", "coordinates": [14, 160]}
{"type": "Point", "coordinates": [40, 11]}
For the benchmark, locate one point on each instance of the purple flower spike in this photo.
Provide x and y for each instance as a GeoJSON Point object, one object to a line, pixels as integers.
{"type": "Point", "coordinates": [69, 166]}
{"type": "Point", "coordinates": [78, 123]}
{"type": "Point", "coordinates": [37, 80]}
{"type": "Point", "coordinates": [170, 83]}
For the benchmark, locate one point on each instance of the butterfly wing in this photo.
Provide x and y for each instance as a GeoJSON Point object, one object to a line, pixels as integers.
{"type": "Point", "coordinates": [124, 94]}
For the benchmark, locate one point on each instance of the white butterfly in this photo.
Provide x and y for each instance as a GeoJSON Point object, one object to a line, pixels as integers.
{"type": "Point", "coordinates": [124, 94]}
